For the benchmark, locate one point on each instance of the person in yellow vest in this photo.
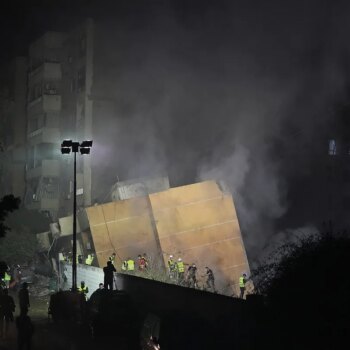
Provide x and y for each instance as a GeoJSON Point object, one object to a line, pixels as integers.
{"type": "Point", "coordinates": [180, 268]}
{"type": "Point", "coordinates": [83, 289]}
{"type": "Point", "coordinates": [125, 265]}
{"type": "Point", "coordinates": [171, 266]}
{"type": "Point", "coordinates": [131, 265]}
{"type": "Point", "coordinates": [7, 279]}
{"type": "Point", "coordinates": [112, 258]}
{"type": "Point", "coordinates": [242, 282]}
{"type": "Point", "coordinates": [89, 259]}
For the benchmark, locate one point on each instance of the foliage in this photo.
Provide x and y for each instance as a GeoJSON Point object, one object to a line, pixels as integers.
{"type": "Point", "coordinates": [8, 204]}
{"type": "Point", "coordinates": [18, 247]}
{"type": "Point", "coordinates": [306, 285]}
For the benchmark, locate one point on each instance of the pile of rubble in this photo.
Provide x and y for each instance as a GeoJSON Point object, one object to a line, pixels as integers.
{"type": "Point", "coordinates": [42, 286]}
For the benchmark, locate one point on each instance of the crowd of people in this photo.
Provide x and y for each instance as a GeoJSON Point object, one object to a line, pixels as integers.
{"type": "Point", "coordinates": [178, 272]}
{"type": "Point", "coordinates": [24, 325]}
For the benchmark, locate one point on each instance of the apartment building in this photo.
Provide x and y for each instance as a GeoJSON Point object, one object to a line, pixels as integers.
{"type": "Point", "coordinates": [44, 106]}
{"type": "Point", "coordinates": [62, 104]}
{"type": "Point", "coordinates": [13, 91]}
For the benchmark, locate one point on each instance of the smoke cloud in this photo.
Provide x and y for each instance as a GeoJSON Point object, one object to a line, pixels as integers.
{"type": "Point", "coordinates": [241, 93]}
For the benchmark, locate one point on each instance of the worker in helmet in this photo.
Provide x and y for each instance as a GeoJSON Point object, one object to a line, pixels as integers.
{"type": "Point", "coordinates": [109, 271]}
{"type": "Point", "coordinates": [180, 268]}
{"type": "Point", "coordinates": [131, 266]}
{"type": "Point", "coordinates": [210, 279]}
{"type": "Point", "coordinates": [89, 259]}
{"type": "Point", "coordinates": [171, 267]}
{"type": "Point", "coordinates": [125, 265]}
{"type": "Point", "coordinates": [192, 276]}
{"type": "Point", "coordinates": [242, 282]}
{"type": "Point", "coordinates": [112, 258]}
{"type": "Point", "coordinates": [83, 289]}
{"type": "Point", "coordinates": [141, 262]}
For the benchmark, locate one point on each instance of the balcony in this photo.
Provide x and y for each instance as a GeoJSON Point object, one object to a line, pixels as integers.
{"type": "Point", "coordinates": [45, 71]}
{"type": "Point", "coordinates": [44, 135]}
{"type": "Point", "coordinates": [48, 168]}
{"type": "Point", "coordinates": [44, 204]}
{"type": "Point", "coordinates": [45, 103]}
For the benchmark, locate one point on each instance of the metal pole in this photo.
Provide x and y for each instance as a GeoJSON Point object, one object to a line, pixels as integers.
{"type": "Point", "coordinates": [74, 265]}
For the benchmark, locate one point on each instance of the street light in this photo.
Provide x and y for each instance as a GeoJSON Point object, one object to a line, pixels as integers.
{"type": "Point", "coordinates": [68, 146]}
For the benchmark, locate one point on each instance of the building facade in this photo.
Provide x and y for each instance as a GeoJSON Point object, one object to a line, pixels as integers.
{"type": "Point", "coordinates": [60, 106]}
{"type": "Point", "coordinates": [13, 89]}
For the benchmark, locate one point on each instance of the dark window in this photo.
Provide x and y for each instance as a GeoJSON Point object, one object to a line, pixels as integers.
{"type": "Point", "coordinates": [332, 148]}
{"type": "Point", "coordinates": [81, 78]}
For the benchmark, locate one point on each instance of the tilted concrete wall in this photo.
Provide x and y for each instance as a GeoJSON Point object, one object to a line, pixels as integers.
{"type": "Point", "coordinates": [196, 222]}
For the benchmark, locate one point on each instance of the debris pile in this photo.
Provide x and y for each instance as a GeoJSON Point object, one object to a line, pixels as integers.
{"type": "Point", "coordinates": [42, 286]}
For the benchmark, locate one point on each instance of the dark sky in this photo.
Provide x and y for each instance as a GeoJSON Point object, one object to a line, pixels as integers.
{"type": "Point", "coordinates": [240, 90]}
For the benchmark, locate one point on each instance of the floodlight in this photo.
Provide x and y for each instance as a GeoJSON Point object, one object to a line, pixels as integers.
{"type": "Point", "coordinates": [65, 150]}
{"type": "Point", "coordinates": [86, 143]}
{"type": "Point", "coordinates": [67, 143]}
{"type": "Point", "coordinates": [85, 150]}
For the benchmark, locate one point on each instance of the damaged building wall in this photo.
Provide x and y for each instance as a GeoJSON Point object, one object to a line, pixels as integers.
{"type": "Point", "coordinates": [196, 222]}
{"type": "Point", "coordinates": [199, 223]}
{"type": "Point", "coordinates": [123, 227]}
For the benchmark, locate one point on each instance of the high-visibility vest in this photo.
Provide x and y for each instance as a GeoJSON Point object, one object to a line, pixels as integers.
{"type": "Point", "coordinates": [171, 264]}
{"type": "Point", "coordinates": [111, 259]}
{"type": "Point", "coordinates": [241, 282]}
{"type": "Point", "coordinates": [84, 290]}
{"type": "Point", "coordinates": [124, 265]}
{"type": "Point", "coordinates": [89, 260]}
{"type": "Point", "coordinates": [7, 277]}
{"type": "Point", "coordinates": [180, 266]}
{"type": "Point", "coordinates": [131, 265]}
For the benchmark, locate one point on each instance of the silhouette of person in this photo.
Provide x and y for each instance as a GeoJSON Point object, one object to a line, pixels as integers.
{"type": "Point", "coordinates": [23, 297]}
{"type": "Point", "coordinates": [7, 307]}
{"type": "Point", "coordinates": [109, 275]}
{"type": "Point", "coordinates": [25, 330]}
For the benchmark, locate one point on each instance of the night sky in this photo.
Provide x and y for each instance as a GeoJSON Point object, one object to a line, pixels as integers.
{"type": "Point", "coordinates": [240, 90]}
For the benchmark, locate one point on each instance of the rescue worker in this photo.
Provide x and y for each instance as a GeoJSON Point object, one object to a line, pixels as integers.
{"type": "Point", "coordinates": [79, 259]}
{"type": "Point", "coordinates": [125, 265]}
{"type": "Point", "coordinates": [109, 275]}
{"type": "Point", "coordinates": [242, 282]}
{"type": "Point", "coordinates": [25, 330]}
{"type": "Point", "coordinates": [191, 276]}
{"type": "Point", "coordinates": [180, 268]}
{"type": "Point", "coordinates": [23, 297]}
{"type": "Point", "coordinates": [141, 262]}
{"type": "Point", "coordinates": [89, 259]}
{"type": "Point", "coordinates": [112, 258]}
{"type": "Point", "coordinates": [7, 308]}
{"type": "Point", "coordinates": [83, 289]}
{"type": "Point", "coordinates": [171, 266]}
{"type": "Point", "coordinates": [6, 280]}
{"type": "Point", "coordinates": [146, 260]}
{"type": "Point", "coordinates": [210, 279]}
{"type": "Point", "coordinates": [131, 265]}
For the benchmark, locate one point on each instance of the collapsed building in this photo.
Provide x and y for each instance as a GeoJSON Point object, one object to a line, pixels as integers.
{"type": "Point", "coordinates": [196, 222]}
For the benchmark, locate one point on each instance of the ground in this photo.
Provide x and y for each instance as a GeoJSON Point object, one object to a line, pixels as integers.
{"type": "Point", "coordinates": [49, 335]}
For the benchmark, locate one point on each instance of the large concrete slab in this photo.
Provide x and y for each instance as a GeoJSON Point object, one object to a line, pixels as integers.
{"type": "Point", "coordinates": [199, 223]}
{"type": "Point", "coordinates": [123, 227]}
{"type": "Point", "coordinates": [196, 222]}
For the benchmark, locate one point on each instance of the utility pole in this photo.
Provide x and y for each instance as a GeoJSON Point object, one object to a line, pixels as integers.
{"type": "Point", "coordinates": [68, 146]}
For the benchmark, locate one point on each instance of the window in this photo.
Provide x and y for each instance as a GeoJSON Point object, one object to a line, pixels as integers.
{"type": "Point", "coordinates": [81, 78]}
{"type": "Point", "coordinates": [332, 148]}
{"type": "Point", "coordinates": [33, 124]}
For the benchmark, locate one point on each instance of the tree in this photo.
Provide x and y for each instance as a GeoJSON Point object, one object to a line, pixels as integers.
{"type": "Point", "coordinates": [306, 285]}
{"type": "Point", "coordinates": [8, 204]}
